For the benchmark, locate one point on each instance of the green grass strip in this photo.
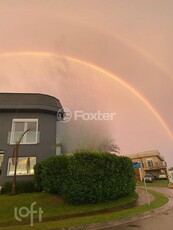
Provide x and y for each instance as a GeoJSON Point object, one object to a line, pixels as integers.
{"type": "Point", "coordinates": [155, 183]}
{"type": "Point", "coordinates": [159, 201]}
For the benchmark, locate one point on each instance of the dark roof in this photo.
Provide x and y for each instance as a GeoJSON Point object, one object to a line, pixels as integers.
{"type": "Point", "coordinates": [29, 102]}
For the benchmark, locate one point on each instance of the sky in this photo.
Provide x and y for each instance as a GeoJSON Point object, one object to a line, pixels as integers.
{"type": "Point", "coordinates": [113, 56]}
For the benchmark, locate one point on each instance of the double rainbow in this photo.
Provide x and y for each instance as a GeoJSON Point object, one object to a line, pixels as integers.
{"type": "Point", "coordinates": [103, 72]}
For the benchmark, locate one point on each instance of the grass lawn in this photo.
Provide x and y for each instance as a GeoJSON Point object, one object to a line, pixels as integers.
{"type": "Point", "coordinates": [155, 183]}
{"type": "Point", "coordinates": [53, 206]}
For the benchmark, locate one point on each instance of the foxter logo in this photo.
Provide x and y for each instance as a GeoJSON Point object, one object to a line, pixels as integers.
{"type": "Point", "coordinates": [98, 116]}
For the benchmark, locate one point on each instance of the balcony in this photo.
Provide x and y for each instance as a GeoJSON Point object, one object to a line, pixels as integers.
{"type": "Point", "coordinates": [31, 137]}
{"type": "Point", "coordinates": [155, 166]}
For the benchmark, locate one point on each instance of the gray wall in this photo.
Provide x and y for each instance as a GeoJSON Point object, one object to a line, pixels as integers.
{"type": "Point", "coordinates": [47, 128]}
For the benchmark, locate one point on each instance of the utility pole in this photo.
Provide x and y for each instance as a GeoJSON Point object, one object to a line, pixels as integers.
{"type": "Point", "coordinates": [15, 159]}
{"type": "Point", "coordinates": [145, 185]}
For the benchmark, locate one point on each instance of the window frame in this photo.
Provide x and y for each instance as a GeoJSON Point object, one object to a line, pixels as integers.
{"type": "Point", "coordinates": [151, 161]}
{"type": "Point", "coordinates": [26, 174]}
{"type": "Point", "coordinates": [25, 121]}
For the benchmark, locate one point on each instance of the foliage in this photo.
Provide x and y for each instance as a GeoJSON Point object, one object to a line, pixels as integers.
{"type": "Point", "coordinates": [38, 168]}
{"type": "Point", "coordinates": [87, 176]}
{"type": "Point", "coordinates": [95, 176]}
{"type": "Point", "coordinates": [53, 173]}
{"type": "Point", "coordinates": [105, 145]}
{"type": "Point", "coordinates": [21, 187]}
{"type": "Point", "coordinates": [108, 145]}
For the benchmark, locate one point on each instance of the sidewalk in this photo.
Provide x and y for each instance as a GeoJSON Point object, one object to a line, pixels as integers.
{"type": "Point", "coordinates": [167, 192]}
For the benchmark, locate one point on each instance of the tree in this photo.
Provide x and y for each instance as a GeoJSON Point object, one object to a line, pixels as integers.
{"type": "Point", "coordinates": [108, 145]}
{"type": "Point", "coordinates": [171, 168]}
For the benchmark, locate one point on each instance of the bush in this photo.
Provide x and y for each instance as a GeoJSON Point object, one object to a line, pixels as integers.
{"type": "Point", "coordinates": [86, 176]}
{"type": "Point", "coordinates": [53, 173]}
{"type": "Point", "coordinates": [38, 168]}
{"type": "Point", "coordinates": [97, 176]}
{"type": "Point", "coordinates": [21, 187]}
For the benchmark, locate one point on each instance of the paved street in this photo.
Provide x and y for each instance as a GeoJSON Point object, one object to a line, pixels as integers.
{"type": "Point", "coordinates": [160, 221]}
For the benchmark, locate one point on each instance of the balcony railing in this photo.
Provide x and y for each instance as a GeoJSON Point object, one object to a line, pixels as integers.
{"type": "Point", "coordinates": [31, 137]}
{"type": "Point", "coordinates": [155, 165]}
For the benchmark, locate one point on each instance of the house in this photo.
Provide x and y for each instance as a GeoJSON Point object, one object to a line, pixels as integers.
{"type": "Point", "coordinates": [170, 175]}
{"type": "Point", "coordinates": [151, 163]}
{"type": "Point", "coordinates": [37, 115]}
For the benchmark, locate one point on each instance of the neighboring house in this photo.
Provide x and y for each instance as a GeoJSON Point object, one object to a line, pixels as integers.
{"type": "Point", "coordinates": [18, 113]}
{"type": "Point", "coordinates": [170, 175]}
{"type": "Point", "coordinates": [152, 163]}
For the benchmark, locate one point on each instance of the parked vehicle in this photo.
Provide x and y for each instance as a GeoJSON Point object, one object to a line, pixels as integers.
{"type": "Point", "coordinates": [149, 178]}
{"type": "Point", "coordinates": [162, 176]}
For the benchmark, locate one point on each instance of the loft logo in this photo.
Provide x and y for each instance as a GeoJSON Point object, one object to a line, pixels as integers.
{"type": "Point", "coordinates": [24, 212]}
{"type": "Point", "coordinates": [65, 115]}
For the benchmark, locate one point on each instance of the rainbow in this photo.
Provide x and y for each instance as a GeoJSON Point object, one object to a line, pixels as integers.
{"type": "Point", "coordinates": [105, 73]}
{"type": "Point", "coordinates": [138, 49]}
{"type": "Point", "coordinates": [144, 54]}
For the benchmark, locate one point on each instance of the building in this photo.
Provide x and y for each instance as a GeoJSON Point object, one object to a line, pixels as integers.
{"type": "Point", "coordinates": [37, 115]}
{"type": "Point", "coordinates": [170, 176]}
{"type": "Point", "coordinates": [151, 161]}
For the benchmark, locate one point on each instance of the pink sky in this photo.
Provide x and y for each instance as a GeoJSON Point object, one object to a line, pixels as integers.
{"type": "Point", "coordinates": [130, 39]}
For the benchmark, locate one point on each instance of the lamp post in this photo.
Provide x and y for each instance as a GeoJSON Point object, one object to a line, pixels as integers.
{"type": "Point", "coordinates": [15, 159]}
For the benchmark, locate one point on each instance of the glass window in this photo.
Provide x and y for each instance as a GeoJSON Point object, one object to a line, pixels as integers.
{"type": "Point", "coordinates": [150, 163]}
{"type": "Point", "coordinates": [25, 166]}
{"type": "Point", "coordinates": [19, 126]}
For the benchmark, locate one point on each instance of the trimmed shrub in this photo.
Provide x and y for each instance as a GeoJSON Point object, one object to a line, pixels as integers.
{"type": "Point", "coordinates": [38, 168]}
{"type": "Point", "coordinates": [97, 176]}
{"type": "Point", "coordinates": [21, 187]}
{"type": "Point", "coordinates": [54, 173]}
{"type": "Point", "coordinates": [86, 176]}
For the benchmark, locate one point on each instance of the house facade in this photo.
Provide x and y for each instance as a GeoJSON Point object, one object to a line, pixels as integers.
{"type": "Point", "coordinates": [33, 119]}
{"type": "Point", "coordinates": [152, 162]}
{"type": "Point", "coordinates": [170, 176]}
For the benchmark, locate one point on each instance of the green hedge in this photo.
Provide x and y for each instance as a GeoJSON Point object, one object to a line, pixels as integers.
{"type": "Point", "coordinates": [21, 187]}
{"type": "Point", "coordinates": [53, 173]}
{"type": "Point", "coordinates": [38, 168]}
{"type": "Point", "coordinates": [97, 176]}
{"type": "Point", "coordinates": [86, 176]}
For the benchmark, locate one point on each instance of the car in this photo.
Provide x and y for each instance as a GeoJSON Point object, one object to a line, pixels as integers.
{"type": "Point", "coordinates": [162, 176]}
{"type": "Point", "coordinates": [148, 178]}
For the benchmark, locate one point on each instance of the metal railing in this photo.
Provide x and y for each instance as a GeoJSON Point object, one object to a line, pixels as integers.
{"type": "Point", "coordinates": [155, 165]}
{"type": "Point", "coordinates": [32, 137]}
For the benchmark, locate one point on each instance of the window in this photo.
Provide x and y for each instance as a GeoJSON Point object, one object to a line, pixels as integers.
{"type": "Point", "coordinates": [150, 163]}
{"type": "Point", "coordinates": [19, 126]}
{"type": "Point", "coordinates": [25, 166]}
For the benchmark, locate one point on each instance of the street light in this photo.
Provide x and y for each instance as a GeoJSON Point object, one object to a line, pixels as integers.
{"type": "Point", "coordinates": [15, 158]}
